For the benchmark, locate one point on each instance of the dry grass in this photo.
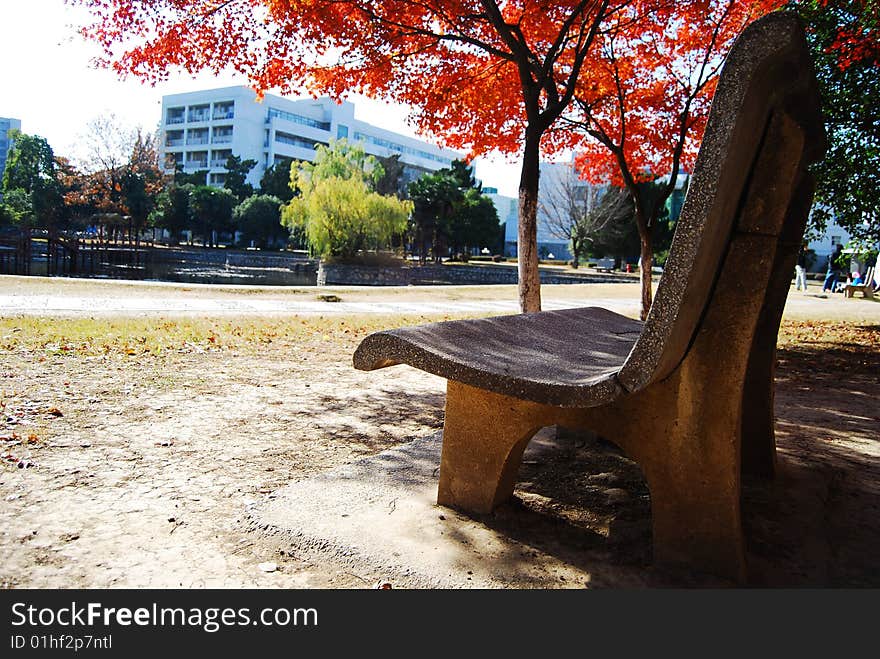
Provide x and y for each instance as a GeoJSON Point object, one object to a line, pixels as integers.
{"type": "Point", "coordinates": [139, 336]}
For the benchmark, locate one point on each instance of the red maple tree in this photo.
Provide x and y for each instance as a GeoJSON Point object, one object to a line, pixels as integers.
{"type": "Point", "coordinates": [645, 105]}
{"type": "Point", "coordinates": [481, 74]}
{"type": "Point", "coordinates": [858, 37]}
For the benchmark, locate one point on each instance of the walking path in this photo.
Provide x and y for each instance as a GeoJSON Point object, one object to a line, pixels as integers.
{"type": "Point", "coordinates": [38, 296]}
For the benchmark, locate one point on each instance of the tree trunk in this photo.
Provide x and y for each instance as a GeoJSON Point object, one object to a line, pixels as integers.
{"type": "Point", "coordinates": [647, 264]}
{"type": "Point", "coordinates": [527, 250]}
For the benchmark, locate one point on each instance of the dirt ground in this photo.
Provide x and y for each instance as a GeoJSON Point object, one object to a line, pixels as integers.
{"type": "Point", "coordinates": [130, 464]}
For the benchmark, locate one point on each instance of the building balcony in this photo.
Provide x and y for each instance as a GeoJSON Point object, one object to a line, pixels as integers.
{"type": "Point", "coordinates": [201, 116]}
{"type": "Point", "coordinates": [197, 164]}
{"type": "Point", "coordinates": [197, 140]}
{"type": "Point", "coordinates": [174, 142]}
{"type": "Point", "coordinates": [218, 164]}
{"type": "Point", "coordinates": [175, 120]}
{"type": "Point", "coordinates": [221, 139]}
{"type": "Point", "coordinates": [224, 115]}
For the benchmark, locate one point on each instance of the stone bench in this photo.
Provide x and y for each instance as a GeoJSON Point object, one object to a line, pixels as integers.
{"type": "Point", "coordinates": [688, 394]}
{"type": "Point", "coordinates": [605, 264]}
{"type": "Point", "coordinates": [866, 288]}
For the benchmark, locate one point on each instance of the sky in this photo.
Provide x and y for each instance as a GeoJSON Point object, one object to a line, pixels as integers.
{"type": "Point", "coordinates": [49, 84]}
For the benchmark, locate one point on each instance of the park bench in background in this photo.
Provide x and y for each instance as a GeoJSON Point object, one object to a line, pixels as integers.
{"type": "Point", "coordinates": [605, 264]}
{"type": "Point", "coordinates": [688, 394]}
{"type": "Point", "coordinates": [866, 288]}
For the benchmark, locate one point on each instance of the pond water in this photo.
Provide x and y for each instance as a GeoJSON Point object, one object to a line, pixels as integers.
{"type": "Point", "coordinates": [189, 269]}
{"type": "Point", "coordinates": [209, 273]}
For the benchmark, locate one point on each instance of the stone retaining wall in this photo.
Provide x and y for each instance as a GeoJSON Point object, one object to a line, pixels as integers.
{"type": "Point", "coordinates": [335, 274]}
{"type": "Point", "coordinates": [238, 259]}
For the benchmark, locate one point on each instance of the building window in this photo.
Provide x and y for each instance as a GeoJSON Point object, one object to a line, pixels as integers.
{"type": "Point", "coordinates": [836, 240]}
{"type": "Point", "coordinates": [175, 115]}
{"type": "Point", "coordinates": [199, 112]}
{"type": "Point", "coordinates": [197, 136]}
{"type": "Point", "coordinates": [221, 135]}
{"type": "Point", "coordinates": [298, 119]}
{"type": "Point", "coordinates": [224, 110]}
{"type": "Point", "coordinates": [219, 158]}
{"type": "Point", "coordinates": [197, 159]}
{"type": "Point", "coordinates": [400, 148]}
{"type": "Point", "coordinates": [341, 132]}
{"type": "Point", "coordinates": [174, 138]}
{"type": "Point", "coordinates": [218, 179]}
{"type": "Point", "coordinates": [295, 140]}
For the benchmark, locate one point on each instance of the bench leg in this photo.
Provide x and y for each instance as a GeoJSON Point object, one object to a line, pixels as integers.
{"type": "Point", "coordinates": [758, 415]}
{"type": "Point", "coordinates": [695, 509]}
{"type": "Point", "coordinates": [484, 437]}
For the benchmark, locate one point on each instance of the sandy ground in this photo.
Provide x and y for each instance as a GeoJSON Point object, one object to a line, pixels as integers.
{"type": "Point", "coordinates": [73, 297]}
{"type": "Point", "coordinates": [139, 472]}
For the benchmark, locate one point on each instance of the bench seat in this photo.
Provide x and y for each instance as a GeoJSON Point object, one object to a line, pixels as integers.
{"type": "Point", "coordinates": [568, 358]}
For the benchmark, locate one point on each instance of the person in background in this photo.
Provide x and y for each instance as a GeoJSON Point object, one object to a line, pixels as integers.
{"type": "Point", "coordinates": [832, 276]}
{"type": "Point", "coordinates": [800, 270]}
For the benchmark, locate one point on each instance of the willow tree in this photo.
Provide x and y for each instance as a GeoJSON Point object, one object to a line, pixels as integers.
{"type": "Point", "coordinates": [338, 209]}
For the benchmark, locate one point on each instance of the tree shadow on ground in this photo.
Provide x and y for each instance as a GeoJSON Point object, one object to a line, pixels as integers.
{"type": "Point", "coordinates": [383, 415]}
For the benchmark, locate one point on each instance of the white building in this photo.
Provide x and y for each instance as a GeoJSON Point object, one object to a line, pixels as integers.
{"type": "Point", "coordinates": [200, 130]}
{"type": "Point", "coordinates": [826, 245]}
{"type": "Point", "coordinates": [6, 125]}
{"type": "Point", "coordinates": [508, 213]}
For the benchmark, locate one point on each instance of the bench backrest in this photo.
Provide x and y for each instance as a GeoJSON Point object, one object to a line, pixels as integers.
{"type": "Point", "coordinates": [764, 128]}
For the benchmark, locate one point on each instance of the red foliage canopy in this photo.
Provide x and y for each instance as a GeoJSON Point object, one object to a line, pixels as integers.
{"type": "Point", "coordinates": [459, 63]}
{"type": "Point", "coordinates": [645, 106]}
{"type": "Point", "coordinates": [858, 39]}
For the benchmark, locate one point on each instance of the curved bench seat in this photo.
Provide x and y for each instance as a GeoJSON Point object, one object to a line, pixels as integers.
{"type": "Point", "coordinates": [568, 358]}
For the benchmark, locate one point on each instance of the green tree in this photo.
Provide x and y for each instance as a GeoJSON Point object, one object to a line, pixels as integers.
{"type": "Point", "coordinates": [276, 181]}
{"type": "Point", "coordinates": [30, 168]}
{"type": "Point", "coordinates": [172, 210]}
{"type": "Point", "coordinates": [435, 198]}
{"type": "Point", "coordinates": [475, 223]}
{"type": "Point", "coordinates": [338, 208]}
{"type": "Point", "coordinates": [16, 208]}
{"type": "Point", "coordinates": [848, 178]}
{"type": "Point", "coordinates": [464, 174]}
{"type": "Point", "coordinates": [341, 159]}
{"type": "Point", "coordinates": [198, 177]}
{"type": "Point", "coordinates": [139, 201]}
{"type": "Point", "coordinates": [29, 160]}
{"type": "Point", "coordinates": [391, 182]}
{"type": "Point", "coordinates": [259, 219]}
{"type": "Point", "coordinates": [142, 180]}
{"type": "Point", "coordinates": [615, 234]}
{"type": "Point", "coordinates": [450, 211]}
{"type": "Point", "coordinates": [211, 212]}
{"type": "Point", "coordinates": [236, 177]}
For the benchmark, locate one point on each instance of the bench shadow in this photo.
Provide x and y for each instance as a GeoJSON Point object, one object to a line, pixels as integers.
{"type": "Point", "coordinates": [580, 499]}
{"type": "Point", "coordinates": [815, 524]}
